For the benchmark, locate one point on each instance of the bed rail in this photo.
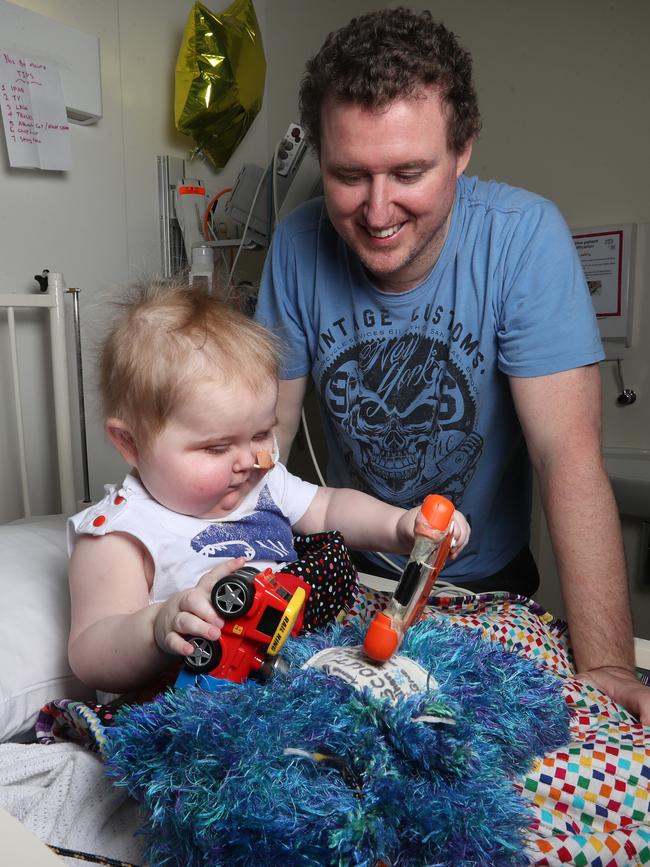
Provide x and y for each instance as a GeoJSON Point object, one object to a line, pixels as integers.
{"type": "Point", "coordinates": [52, 301]}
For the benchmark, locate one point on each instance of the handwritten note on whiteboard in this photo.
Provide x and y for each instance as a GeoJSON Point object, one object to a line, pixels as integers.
{"type": "Point", "coordinates": [33, 112]}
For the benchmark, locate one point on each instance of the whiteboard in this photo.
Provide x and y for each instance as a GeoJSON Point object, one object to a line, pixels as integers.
{"type": "Point", "coordinates": [76, 54]}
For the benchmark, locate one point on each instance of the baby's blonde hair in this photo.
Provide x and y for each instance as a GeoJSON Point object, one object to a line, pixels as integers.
{"type": "Point", "coordinates": [169, 335]}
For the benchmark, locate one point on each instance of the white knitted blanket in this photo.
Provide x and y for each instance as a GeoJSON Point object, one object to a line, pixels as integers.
{"type": "Point", "coordinates": [59, 792]}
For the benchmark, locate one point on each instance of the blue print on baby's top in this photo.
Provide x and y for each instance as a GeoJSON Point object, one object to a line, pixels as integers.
{"type": "Point", "coordinates": [263, 535]}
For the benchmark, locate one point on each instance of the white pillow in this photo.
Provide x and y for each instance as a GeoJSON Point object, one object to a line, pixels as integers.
{"type": "Point", "coordinates": [34, 623]}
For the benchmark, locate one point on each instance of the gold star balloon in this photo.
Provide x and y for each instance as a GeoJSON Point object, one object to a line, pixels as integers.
{"type": "Point", "coordinates": [220, 73]}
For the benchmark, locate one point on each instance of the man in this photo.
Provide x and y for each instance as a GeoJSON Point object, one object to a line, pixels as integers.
{"type": "Point", "coordinates": [448, 329]}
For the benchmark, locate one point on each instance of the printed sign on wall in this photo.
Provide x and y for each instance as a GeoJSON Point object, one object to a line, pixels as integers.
{"type": "Point", "coordinates": [606, 254]}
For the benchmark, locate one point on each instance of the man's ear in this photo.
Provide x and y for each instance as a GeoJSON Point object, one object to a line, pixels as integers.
{"type": "Point", "coordinates": [463, 158]}
{"type": "Point", "coordinates": [119, 434]}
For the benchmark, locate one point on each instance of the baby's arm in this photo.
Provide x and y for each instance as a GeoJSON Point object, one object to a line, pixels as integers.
{"type": "Point", "coordinates": [370, 524]}
{"type": "Point", "coordinates": [118, 640]}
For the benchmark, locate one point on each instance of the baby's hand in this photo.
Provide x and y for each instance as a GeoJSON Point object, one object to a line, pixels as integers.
{"type": "Point", "coordinates": [460, 531]}
{"type": "Point", "coordinates": [190, 612]}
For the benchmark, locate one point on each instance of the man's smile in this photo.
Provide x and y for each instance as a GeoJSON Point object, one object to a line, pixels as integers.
{"type": "Point", "coordinates": [384, 233]}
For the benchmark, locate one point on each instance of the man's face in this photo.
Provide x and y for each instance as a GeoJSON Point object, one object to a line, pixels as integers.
{"type": "Point", "coordinates": [389, 180]}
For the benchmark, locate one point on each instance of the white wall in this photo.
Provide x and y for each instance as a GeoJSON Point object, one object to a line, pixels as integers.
{"type": "Point", "coordinates": [71, 222]}
{"type": "Point", "coordinates": [563, 92]}
{"type": "Point", "coordinates": [98, 223]}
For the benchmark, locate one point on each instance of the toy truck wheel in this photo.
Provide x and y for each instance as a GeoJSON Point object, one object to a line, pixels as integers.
{"type": "Point", "coordinates": [233, 595]}
{"type": "Point", "coordinates": [205, 657]}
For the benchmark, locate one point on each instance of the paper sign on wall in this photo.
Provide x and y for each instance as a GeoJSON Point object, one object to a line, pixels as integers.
{"type": "Point", "coordinates": [605, 253]}
{"type": "Point", "coordinates": [33, 112]}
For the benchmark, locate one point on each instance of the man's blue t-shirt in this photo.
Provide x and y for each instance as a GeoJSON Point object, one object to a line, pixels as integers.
{"type": "Point", "coordinates": [413, 387]}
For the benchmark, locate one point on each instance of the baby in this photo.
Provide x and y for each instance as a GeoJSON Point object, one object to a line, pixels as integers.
{"type": "Point", "coordinates": [189, 390]}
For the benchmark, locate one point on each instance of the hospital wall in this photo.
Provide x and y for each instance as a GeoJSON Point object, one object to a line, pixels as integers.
{"type": "Point", "coordinates": [563, 93]}
{"type": "Point", "coordinates": [98, 223]}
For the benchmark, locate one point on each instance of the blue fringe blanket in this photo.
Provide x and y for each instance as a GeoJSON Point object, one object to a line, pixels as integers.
{"type": "Point", "coordinates": [310, 770]}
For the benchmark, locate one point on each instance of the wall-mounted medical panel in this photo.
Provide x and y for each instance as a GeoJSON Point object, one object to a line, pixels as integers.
{"type": "Point", "coordinates": [607, 254]}
{"type": "Point", "coordinates": [75, 54]}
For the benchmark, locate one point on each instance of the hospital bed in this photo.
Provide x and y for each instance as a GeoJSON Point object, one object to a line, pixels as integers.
{"type": "Point", "coordinates": [59, 792]}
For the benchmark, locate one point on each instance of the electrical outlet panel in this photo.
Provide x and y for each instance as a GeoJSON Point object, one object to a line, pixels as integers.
{"type": "Point", "coordinates": [257, 196]}
{"type": "Point", "coordinates": [290, 149]}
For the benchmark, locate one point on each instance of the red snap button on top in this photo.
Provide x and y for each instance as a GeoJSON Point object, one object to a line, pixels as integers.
{"type": "Point", "coordinates": [118, 500]}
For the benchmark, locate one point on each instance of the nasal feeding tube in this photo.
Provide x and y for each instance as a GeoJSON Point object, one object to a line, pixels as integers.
{"type": "Point", "coordinates": [425, 563]}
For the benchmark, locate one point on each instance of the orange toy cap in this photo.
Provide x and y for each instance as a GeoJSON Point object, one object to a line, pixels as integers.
{"type": "Point", "coordinates": [381, 639]}
{"type": "Point", "coordinates": [437, 511]}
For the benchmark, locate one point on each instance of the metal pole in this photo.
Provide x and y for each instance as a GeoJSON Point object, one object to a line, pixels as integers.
{"type": "Point", "coordinates": [80, 393]}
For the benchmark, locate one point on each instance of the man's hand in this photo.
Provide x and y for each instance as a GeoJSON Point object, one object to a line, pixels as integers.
{"type": "Point", "coordinates": [622, 685]}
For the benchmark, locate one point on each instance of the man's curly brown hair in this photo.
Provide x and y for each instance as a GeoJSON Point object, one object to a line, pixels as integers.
{"type": "Point", "coordinates": [388, 55]}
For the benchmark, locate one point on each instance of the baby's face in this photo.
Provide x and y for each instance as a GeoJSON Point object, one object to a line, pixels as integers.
{"type": "Point", "coordinates": [202, 462]}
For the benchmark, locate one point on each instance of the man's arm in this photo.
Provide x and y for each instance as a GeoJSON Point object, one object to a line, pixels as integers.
{"type": "Point", "coordinates": [290, 399]}
{"type": "Point", "coordinates": [560, 416]}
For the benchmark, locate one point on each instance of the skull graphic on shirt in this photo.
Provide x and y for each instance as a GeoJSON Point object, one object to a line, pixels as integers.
{"type": "Point", "coordinates": [405, 417]}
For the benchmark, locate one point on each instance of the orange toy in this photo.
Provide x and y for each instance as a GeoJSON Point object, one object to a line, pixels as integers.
{"type": "Point", "coordinates": [430, 551]}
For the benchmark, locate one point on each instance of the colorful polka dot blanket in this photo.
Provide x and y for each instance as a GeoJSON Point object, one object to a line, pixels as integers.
{"type": "Point", "coordinates": [590, 798]}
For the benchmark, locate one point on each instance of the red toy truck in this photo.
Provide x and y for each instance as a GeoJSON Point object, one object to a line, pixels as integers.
{"type": "Point", "coordinates": [261, 610]}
